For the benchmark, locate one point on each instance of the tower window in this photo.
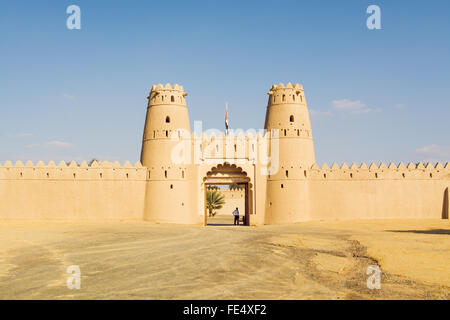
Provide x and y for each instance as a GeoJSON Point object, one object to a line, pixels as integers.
{"type": "Point", "coordinates": [282, 186]}
{"type": "Point", "coordinates": [284, 98]}
{"type": "Point", "coordinates": [285, 132]}
{"type": "Point", "coordinates": [149, 174]}
{"type": "Point", "coordinates": [171, 186]}
{"type": "Point", "coordinates": [165, 174]}
{"type": "Point", "coordinates": [287, 174]}
{"type": "Point", "coordinates": [291, 118]}
{"type": "Point", "coordinates": [167, 119]}
{"type": "Point", "coordinates": [182, 174]}
{"type": "Point", "coordinates": [172, 98]}
{"type": "Point", "coordinates": [167, 133]}
{"type": "Point", "coordinates": [304, 172]}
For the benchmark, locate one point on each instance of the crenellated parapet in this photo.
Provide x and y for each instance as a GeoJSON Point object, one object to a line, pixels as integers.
{"type": "Point", "coordinates": [362, 172]}
{"type": "Point", "coordinates": [291, 93]}
{"type": "Point", "coordinates": [168, 94]}
{"type": "Point", "coordinates": [380, 172]}
{"type": "Point", "coordinates": [101, 171]}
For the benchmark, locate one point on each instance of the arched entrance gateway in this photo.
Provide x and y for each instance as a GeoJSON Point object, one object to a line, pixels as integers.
{"type": "Point", "coordinates": [231, 174]}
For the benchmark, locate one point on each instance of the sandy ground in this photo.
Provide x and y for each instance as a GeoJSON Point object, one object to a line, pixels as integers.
{"type": "Point", "coordinates": [140, 260]}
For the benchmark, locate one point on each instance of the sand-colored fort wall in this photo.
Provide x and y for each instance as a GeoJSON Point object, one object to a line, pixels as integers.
{"type": "Point", "coordinates": [110, 191]}
{"type": "Point", "coordinates": [358, 192]}
{"type": "Point", "coordinates": [233, 199]}
{"type": "Point", "coordinates": [100, 191]}
{"type": "Point", "coordinates": [379, 192]}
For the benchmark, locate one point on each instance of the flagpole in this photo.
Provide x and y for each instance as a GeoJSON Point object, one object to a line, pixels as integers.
{"type": "Point", "coordinates": [226, 117]}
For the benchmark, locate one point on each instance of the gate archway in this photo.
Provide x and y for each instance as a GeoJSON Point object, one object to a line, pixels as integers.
{"type": "Point", "coordinates": [229, 174]}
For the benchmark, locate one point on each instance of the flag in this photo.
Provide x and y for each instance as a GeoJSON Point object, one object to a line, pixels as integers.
{"type": "Point", "coordinates": [226, 117]}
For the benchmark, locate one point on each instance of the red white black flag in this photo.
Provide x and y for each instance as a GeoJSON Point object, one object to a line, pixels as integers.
{"type": "Point", "coordinates": [226, 117]}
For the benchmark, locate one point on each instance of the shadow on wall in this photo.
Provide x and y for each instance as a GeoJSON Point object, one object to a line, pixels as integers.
{"type": "Point", "coordinates": [431, 231]}
{"type": "Point", "coordinates": [445, 205]}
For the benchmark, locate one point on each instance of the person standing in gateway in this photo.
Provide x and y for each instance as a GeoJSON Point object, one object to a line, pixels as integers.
{"type": "Point", "coordinates": [236, 216]}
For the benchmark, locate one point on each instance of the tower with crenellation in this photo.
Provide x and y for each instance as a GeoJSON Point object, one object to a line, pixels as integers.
{"type": "Point", "coordinates": [288, 123]}
{"type": "Point", "coordinates": [169, 190]}
{"type": "Point", "coordinates": [287, 112]}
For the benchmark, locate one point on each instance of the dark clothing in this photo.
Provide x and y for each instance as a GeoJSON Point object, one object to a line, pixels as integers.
{"type": "Point", "coordinates": [236, 220]}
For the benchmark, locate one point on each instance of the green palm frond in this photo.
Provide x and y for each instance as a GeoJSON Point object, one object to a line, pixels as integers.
{"type": "Point", "coordinates": [214, 201]}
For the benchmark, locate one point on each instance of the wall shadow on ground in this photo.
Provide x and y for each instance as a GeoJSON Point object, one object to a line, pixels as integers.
{"type": "Point", "coordinates": [431, 231]}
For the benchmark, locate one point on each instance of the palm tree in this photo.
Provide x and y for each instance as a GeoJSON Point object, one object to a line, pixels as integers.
{"type": "Point", "coordinates": [214, 201]}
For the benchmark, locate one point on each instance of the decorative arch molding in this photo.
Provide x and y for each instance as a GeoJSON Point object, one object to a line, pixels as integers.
{"type": "Point", "coordinates": [226, 173]}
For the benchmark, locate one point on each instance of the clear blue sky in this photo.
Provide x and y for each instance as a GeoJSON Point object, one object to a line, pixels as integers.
{"type": "Point", "coordinates": [375, 95]}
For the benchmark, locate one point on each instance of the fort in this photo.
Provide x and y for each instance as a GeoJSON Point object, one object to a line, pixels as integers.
{"type": "Point", "coordinates": [282, 182]}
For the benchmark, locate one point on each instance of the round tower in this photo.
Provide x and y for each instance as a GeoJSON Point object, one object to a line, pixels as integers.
{"type": "Point", "coordinates": [287, 122]}
{"type": "Point", "coordinates": [166, 114]}
{"type": "Point", "coordinates": [169, 191]}
{"type": "Point", "coordinates": [287, 112]}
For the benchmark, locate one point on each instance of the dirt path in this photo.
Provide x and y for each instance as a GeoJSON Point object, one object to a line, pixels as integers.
{"type": "Point", "coordinates": [139, 260]}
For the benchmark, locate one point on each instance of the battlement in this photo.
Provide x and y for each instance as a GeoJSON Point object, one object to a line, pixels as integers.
{"type": "Point", "coordinates": [381, 171]}
{"type": "Point", "coordinates": [168, 87]}
{"type": "Point", "coordinates": [290, 93]}
{"type": "Point", "coordinates": [281, 86]}
{"type": "Point", "coordinates": [363, 172]}
{"type": "Point", "coordinates": [96, 171]}
{"type": "Point", "coordinates": [168, 94]}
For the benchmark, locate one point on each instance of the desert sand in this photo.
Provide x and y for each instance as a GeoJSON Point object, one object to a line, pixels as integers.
{"type": "Point", "coordinates": [142, 260]}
